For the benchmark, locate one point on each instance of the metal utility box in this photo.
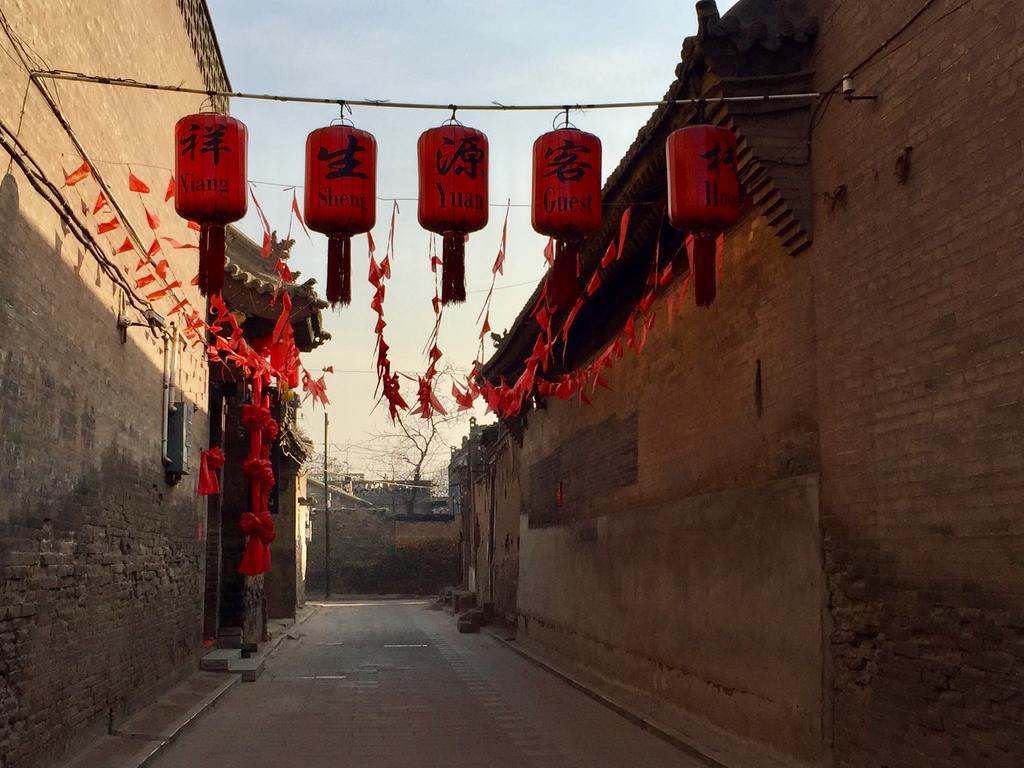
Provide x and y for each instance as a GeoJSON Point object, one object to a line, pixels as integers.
{"type": "Point", "coordinates": [179, 435]}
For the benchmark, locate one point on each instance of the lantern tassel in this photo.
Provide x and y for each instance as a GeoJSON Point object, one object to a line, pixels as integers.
{"type": "Point", "coordinates": [453, 269]}
{"type": "Point", "coordinates": [704, 278]}
{"type": "Point", "coordinates": [339, 270]}
{"type": "Point", "coordinates": [211, 259]}
{"type": "Point", "coordinates": [563, 280]}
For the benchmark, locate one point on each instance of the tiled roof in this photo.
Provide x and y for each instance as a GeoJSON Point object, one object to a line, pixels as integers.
{"type": "Point", "coordinates": [759, 46]}
{"type": "Point", "coordinates": [252, 286]}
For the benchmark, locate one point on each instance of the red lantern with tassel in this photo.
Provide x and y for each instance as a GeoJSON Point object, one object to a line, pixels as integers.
{"type": "Point", "coordinates": [210, 172]}
{"type": "Point", "coordinates": [703, 195]}
{"type": "Point", "coordinates": [566, 202]}
{"type": "Point", "coordinates": [453, 196]}
{"type": "Point", "coordinates": [341, 197]}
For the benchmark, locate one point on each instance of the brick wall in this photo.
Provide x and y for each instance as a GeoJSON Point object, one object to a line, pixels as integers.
{"type": "Point", "coordinates": [507, 510]}
{"type": "Point", "coordinates": [101, 560]}
{"type": "Point", "coordinates": [920, 329]}
{"type": "Point", "coordinates": [373, 552]}
{"type": "Point", "coordinates": [692, 569]}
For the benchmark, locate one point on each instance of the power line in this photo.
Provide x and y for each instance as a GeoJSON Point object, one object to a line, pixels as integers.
{"type": "Point", "coordinates": [494, 106]}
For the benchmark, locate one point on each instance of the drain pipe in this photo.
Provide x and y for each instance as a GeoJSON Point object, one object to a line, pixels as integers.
{"type": "Point", "coordinates": [170, 363]}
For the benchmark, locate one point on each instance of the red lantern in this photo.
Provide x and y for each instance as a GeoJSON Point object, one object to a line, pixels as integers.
{"type": "Point", "coordinates": [703, 195]}
{"type": "Point", "coordinates": [210, 171]}
{"type": "Point", "coordinates": [566, 202]}
{"type": "Point", "coordinates": [341, 197]}
{"type": "Point", "coordinates": [453, 196]}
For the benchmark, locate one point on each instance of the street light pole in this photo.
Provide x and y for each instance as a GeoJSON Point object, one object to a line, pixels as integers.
{"type": "Point", "coordinates": [327, 521]}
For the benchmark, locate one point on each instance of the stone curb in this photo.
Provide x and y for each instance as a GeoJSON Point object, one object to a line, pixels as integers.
{"type": "Point", "coordinates": [171, 734]}
{"type": "Point", "coordinates": [604, 700]}
{"type": "Point", "coordinates": [154, 745]}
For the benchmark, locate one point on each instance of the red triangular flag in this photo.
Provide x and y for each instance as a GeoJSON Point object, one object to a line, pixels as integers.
{"type": "Point", "coordinates": [101, 203]}
{"type": "Point", "coordinates": [298, 214]}
{"type": "Point", "coordinates": [177, 244]}
{"type": "Point", "coordinates": [77, 175]}
{"type": "Point", "coordinates": [152, 219]}
{"type": "Point", "coordinates": [125, 246]}
{"type": "Point", "coordinates": [159, 294]}
{"type": "Point", "coordinates": [135, 184]}
{"type": "Point", "coordinates": [108, 226]}
{"type": "Point", "coordinates": [170, 189]}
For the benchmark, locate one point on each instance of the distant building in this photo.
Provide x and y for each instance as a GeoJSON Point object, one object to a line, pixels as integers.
{"type": "Point", "coordinates": [376, 547]}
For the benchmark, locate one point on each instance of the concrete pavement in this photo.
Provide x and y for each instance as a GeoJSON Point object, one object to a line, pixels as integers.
{"type": "Point", "coordinates": [393, 684]}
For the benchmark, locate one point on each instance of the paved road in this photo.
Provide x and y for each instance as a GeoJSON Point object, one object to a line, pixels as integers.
{"type": "Point", "coordinates": [393, 685]}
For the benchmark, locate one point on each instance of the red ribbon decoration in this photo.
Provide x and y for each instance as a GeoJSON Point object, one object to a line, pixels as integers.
{"type": "Point", "coordinates": [209, 463]}
{"type": "Point", "coordinates": [257, 524]}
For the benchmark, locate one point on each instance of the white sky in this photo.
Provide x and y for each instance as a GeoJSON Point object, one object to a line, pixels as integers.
{"type": "Point", "coordinates": [439, 51]}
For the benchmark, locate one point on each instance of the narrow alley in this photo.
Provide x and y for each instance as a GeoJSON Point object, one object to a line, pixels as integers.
{"type": "Point", "coordinates": [536, 384]}
{"type": "Point", "coordinates": [380, 684]}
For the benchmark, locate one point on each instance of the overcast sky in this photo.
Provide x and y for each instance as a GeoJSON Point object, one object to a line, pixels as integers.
{"type": "Point", "coordinates": [440, 51]}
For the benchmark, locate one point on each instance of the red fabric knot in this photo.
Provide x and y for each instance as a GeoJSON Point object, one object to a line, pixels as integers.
{"type": "Point", "coordinates": [209, 462]}
{"type": "Point", "coordinates": [259, 470]}
{"type": "Point", "coordinates": [255, 417]}
{"type": "Point", "coordinates": [215, 458]}
{"type": "Point", "coordinates": [259, 527]}
{"type": "Point", "coordinates": [271, 430]}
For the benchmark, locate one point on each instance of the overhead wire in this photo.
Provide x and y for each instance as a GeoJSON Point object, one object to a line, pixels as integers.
{"type": "Point", "coordinates": [494, 106]}
{"type": "Point", "coordinates": [50, 192]}
{"type": "Point", "coordinates": [52, 195]}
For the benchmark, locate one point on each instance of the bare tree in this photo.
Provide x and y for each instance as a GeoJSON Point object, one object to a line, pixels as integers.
{"type": "Point", "coordinates": [414, 451]}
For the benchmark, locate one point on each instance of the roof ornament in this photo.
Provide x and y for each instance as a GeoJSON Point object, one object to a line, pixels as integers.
{"type": "Point", "coordinates": [707, 12]}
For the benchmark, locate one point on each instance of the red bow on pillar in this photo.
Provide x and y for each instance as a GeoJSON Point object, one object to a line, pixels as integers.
{"type": "Point", "coordinates": [259, 528]}
{"type": "Point", "coordinates": [258, 525]}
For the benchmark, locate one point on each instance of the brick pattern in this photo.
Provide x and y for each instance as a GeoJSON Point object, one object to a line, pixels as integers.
{"type": "Point", "coordinates": [100, 559]}
{"type": "Point", "coordinates": [372, 552]}
{"type": "Point", "coordinates": [576, 472]}
{"type": "Point", "coordinates": [199, 26]}
{"type": "Point", "coordinates": [507, 512]}
{"type": "Point", "coordinates": [643, 586]}
{"type": "Point", "coordinates": [920, 329]}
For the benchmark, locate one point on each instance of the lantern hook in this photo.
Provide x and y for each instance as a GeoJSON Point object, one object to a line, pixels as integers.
{"type": "Point", "coordinates": [452, 120]}
{"type": "Point", "coordinates": [701, 105]}
{"type": "Point", "coordinates": [342, 106]}
{"type": "Point", "coordinates": [562, 116]}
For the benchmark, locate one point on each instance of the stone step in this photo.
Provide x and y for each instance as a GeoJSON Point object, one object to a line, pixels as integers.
{"type": "Point", "coordinates": [219, 659]}
{"type": "Point", "coordinates": [250, 668]}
